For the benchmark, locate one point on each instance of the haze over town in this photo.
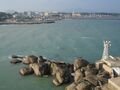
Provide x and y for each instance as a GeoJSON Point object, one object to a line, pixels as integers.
{"type": "Point", "coordinates": [61, 5]}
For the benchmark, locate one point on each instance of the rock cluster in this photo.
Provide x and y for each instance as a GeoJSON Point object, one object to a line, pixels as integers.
{"type": "Point", "coordinates": [82, 75]}
{"type": "Point", "coordinates": [87, 76]}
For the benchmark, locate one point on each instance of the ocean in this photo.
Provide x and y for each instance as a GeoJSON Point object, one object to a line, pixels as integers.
{"type": "Point", "coordinates": [64, 40]}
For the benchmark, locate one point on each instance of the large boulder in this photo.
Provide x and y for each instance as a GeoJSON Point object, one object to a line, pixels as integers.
{"type": "Point", "coordinates": [91, 71]}
{"type": "Point", "coordinates": [26, 71]}
{"type": "Point", "coordinates": [58, 76]}
{"type": "Point", "coordinates": [37, 68]}
{"type": "Point", "coordinates": [30, 59]}
{"type": "Point", "coordinates": [79, 62]}
{"type": "Point", "coordinates": [53, 67]}
{"type": "Point", "coordinates": [92, 79]}
{"type": "Point", "coordinates": [17, 56]}
{"type": "Point", "coordinates": [45, 69]}
{"type": "Point", "coordinates": [78, 76]}
{"type": "Point", "coordinates": [71, 68]}
{"type": "Point", "coordinates": [15, 61]}
{"type": "Point", "coordinates": [61, 75]}
{"type": "Point", "coordinates": [56, 82]}
{"type": "Point", "coordinates": [91, 66]}
{"type": "Point", "coordinates": [84, 86]}
{"type": "Point", "coordinates": [71, 87]}
{"type": "Point", "coordinates": [98, 88]}
{"type": "Point", "coordinates": [68, 78]}
{"type": "Point", "coordinates": [103, 77]}
{"type": "Point", "coordinates": [41, 68]}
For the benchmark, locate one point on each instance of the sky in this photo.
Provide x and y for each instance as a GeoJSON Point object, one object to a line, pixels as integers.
{"type": "Point", "coordinates": [61, 5]}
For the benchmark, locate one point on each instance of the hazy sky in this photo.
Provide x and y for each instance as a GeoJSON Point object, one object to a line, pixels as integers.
{"type": "Point", "coordinates": [61, 5]}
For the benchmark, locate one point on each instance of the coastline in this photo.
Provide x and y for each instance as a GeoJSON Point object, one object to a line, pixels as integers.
{"type": "Point", "coordinates": [20, 23]}
{"type": "Point", "coordinates": [53, 21]}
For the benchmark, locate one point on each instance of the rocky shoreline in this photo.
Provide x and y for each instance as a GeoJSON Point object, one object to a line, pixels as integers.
{"type": "Point", "coordinates": [31, 22]}
{"type": "Point", "coordinates": [81, 75]}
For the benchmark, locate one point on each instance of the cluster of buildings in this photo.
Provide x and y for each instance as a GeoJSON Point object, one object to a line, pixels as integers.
{"type": "Point", "coordinates": [40, 17]}
{"type": "Point", "coordinates": [61, 15]}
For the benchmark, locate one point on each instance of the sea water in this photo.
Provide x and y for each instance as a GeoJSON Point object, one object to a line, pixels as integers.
{"type": "Point", "coordinates": [64, 40]}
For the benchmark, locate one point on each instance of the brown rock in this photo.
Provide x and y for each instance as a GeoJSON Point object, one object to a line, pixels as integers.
{"type": "Point", "coordinates": [53, 68]}
{"type": "Point", "coordinates": [56, 83]}
{"type": "Point", "coordinates": [30, 59]}
{"type": "Point", "coordinates": [78, 76]}
{"type": "Point", "coordinates": [92, 79]}
{"type": "Point", "coordinates": [26, 71]}
{"type": "Point", "coordinates": [16, 56]}
{"type": "Point", "coordinates": [84, 86]}
{"type": "Point", "coordinates": [91, 71]}
{"type": "Point", "coordinates": [36, 68]}
{"type": "Point", "coordinates": [71, 87]}
{"type": "Point", "coordinates": [61, 73]}
{"type": "Point", "coordinates": [15, 61]}
{"type": "Point", "coordinates": [79, 62]}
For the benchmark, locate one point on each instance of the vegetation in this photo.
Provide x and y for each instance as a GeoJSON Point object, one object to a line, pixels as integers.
{"type": "Point", "coordinates": [4, 16]}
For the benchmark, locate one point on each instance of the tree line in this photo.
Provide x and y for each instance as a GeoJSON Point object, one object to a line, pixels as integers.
{"type": "Point", "coordinates": [4, 16]}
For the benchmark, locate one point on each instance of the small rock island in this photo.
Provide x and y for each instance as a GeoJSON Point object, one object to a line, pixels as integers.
{"type": "Point", "coordinates": [81, 75]}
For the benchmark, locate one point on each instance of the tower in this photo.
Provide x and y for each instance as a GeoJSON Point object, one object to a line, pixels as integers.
{"type": "Point", "coordinates": [106, 50]}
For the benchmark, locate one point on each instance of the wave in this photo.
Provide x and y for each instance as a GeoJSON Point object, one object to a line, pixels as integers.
{"type": "Point", "coordinates": [86, 37]}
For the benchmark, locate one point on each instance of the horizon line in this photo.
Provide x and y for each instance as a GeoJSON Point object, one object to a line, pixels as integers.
{"type": "Point", "coordinates": [78, 11]}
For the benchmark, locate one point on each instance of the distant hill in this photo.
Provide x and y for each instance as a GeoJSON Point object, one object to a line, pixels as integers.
{"type": "Point", "coordinates": [4, 16]}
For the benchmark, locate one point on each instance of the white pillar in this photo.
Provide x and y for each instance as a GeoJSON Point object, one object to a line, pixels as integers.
{"type": "Point", "coordinates": [106, 50]}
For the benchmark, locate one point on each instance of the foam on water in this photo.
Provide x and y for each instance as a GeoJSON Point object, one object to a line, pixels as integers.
{"type": "Point", "coordinates": [86, 37]}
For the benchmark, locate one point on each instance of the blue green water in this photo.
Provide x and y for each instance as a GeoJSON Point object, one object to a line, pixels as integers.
{"type": "Point", "coordinates": [63, 40]}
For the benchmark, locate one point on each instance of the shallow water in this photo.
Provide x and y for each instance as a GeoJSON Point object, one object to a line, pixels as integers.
{"type": "Point", "coordinates": [63, 40]}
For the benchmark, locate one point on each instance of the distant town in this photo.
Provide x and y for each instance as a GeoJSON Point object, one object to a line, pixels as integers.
{"type": "Point", "coordinates": [30, 17]}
